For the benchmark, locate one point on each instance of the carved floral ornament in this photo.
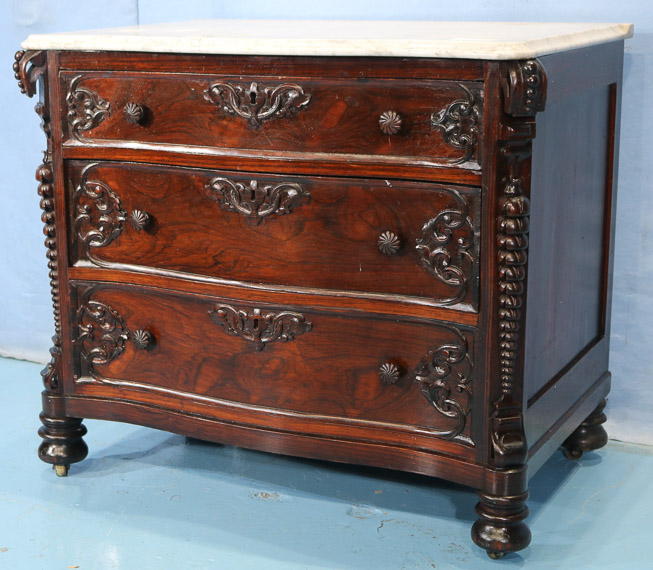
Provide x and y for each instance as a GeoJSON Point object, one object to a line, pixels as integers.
{"type": "Point", "coordinates": [102, 334]}
{"type": "Point", "coordinates": [257, 103]}
{"type": "Point", "coordinates": [447, 248]}
{"type": "Point", "coordinates": [444, 376]}
{"type": "Point", "coordinates": [86, 109]}
{"type": "Point", "coordinates": [99, 215]}
{"type": "Point", "coordinates": [459, 123]}
{"type": "Point", "coordinates": [260, 326]}
{"type": "Point", "coordinates": [256, 201]}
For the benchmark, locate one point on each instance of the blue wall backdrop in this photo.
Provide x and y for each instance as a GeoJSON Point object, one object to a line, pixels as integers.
{"type": "Point", "coordinates": [25, 313]}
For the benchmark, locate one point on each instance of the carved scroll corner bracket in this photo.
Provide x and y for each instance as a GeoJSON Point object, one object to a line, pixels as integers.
{"type": "Point", "coordinates": [259, 326]}
{"type": "Point", "coordinates": [445, 378]}
{"type": "Point", "coordinates": [50, 374]}
{"type": "Point", "coordinates": [28, 66]}
{"type": "Point", "coordinates": [257, 103]}
{"type": "Point", "coordinates": [524, 88]}
{"type": "Point", "coordinates": [458, 122]}
{"type": "Point", "coordinates": [507, 434]}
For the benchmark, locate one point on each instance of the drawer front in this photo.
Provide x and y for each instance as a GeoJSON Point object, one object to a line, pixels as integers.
{"type": "Point", "coordinates": [364, 236]}
{"type": "Point", "coordinates": [255, 363]}
{"type": "Point", "coordinates": [435, 121]}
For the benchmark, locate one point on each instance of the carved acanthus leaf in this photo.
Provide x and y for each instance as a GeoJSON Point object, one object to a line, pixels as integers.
{"type": "Point", "coordinates": [459, 123]}
{"type": "Point", "coordinates": [445, 376]}
{"type": "Point", "coordinates": [257, 103]}
{"type": "Point", "coordinates": [101, 333]}
{"type": "Point", "coordinates": [447, 249]}
{"type": "Point", "coordinates": [255, 201]}
{"type": "Point", "coordinates": [260, 326]}
{"type": "Point", "coordinates": [99, 215]}
{"type": "Point", "coordinates": [86, 109]}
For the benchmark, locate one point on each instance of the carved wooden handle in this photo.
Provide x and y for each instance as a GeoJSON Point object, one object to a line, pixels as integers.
{"type": "Point", "coordinates": [139, 220]}
{"type": "Point", "coordinates": [257, 103]}
{"type": "Point", "coordinates": [389, 373]}
{"type": "Point", "coordinates": [260, 327]}
{"type": "Point", "coordinates": [390, 122]}
{"type": "Point", "coordinates": [134, 113]}
{"type": "Point", "coordinates": [389, 243]}
{"type": "Point", "coordinates": [142, 339]}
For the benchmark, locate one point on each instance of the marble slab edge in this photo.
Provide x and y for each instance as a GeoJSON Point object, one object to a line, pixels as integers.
{"type": "Point", "coordinates": [459, 48]}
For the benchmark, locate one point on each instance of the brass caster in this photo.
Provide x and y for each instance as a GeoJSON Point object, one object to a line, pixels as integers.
{"type": "Point", "coordinates": [61, 470]}
{"type": "Point", "coordinates": [573, 454]}
{"type": "Point", "coordinates": [495, 555]}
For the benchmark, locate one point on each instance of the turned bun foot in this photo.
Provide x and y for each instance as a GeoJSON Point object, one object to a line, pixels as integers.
{"type": "Point", "coordinates": [62, 442]}
{"type": "Point", "coordinates": [500, 527]}
{"type": "Point", "coordinates": [588, 436]}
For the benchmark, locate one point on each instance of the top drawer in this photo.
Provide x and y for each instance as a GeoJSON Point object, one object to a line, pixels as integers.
{"type": "Point", "coordinates": [385, 120]}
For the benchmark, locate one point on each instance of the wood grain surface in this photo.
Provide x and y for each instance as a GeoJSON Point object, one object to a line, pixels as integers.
{"type": "Point", "coordinates": [331, 370]}
{"type": "Point", "coordinates": [342, 116]}
{"type": "Point", "coordinates": [329, 240]}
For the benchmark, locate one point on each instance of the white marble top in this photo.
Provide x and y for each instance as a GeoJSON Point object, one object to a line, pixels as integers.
{"type": "Point", "coordinates": [474, 40]}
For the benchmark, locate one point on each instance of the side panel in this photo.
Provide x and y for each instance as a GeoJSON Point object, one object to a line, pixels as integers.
{"type": "Point", "coordinates": [572, 228]}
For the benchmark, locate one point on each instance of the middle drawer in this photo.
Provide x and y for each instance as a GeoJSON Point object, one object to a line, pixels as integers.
{"type": "Point", "coordinates": [366, 237]}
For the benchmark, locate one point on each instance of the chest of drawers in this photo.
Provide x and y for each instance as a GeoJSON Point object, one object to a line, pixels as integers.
{"type": "Point", "coordinates": [356, 252]}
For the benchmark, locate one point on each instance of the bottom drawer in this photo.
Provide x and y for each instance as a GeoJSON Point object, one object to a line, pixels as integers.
{"type": "Point", "coordinates": [283, 368]}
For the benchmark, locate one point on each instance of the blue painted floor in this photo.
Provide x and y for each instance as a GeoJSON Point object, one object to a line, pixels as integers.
{"type": "Point", "coordinates": [147, 499]}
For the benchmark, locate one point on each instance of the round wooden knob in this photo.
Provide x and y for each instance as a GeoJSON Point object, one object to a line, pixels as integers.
{"type": "Point", "coordinates": [139, 219]}
{"type": "Point", "coordinates": [389, 243]}
{"type": "Point", "coordinates": [389, 373]}
{"type": "Point", "coordinates": [142, 339]}
{"type": "Point", "coordinates": [134, 113]}
{"type": "Point", "coordinates": [390, 122]}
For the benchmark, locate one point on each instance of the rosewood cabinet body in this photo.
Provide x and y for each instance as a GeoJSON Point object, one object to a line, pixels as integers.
{"type": "Point", "coordinates": [393, 262]}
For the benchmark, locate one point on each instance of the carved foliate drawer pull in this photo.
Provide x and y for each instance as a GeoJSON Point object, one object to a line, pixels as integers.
{"type": "Point", "coordinates": [257, 103]}
{"type": "Point", "coordinates": [260, 327]}
{"type": "Point", "coordinates": [134, 113]}
{"type": "Point", "coordinates": [142, 339]}
{"type": "Point", "coordinates": [257, 201]}
{"type": "Point", "coordinates": [390, 122]}
{"type": "Point", "coordinates": [389, 373]}
{"type": "Point", "coordinates": [139, 220]}
{"type": "Point", "coordinates": [389, 243]}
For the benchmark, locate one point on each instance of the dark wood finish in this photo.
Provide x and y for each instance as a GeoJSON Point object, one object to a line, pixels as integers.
{"type": "Point", "coordinates": [276, 162]}
{"type": "Point", "coordinates": [281, 278]}
{"type": "Point", "coordinates": [281, 114]}
{"type": "Point", "coordinates": [62, 442]}
{"type": "Point", "coordinates": [298, 66]}
{"type": "Point", "coordinates": [589, 435]}
{"type": "Point", "coordinates": [318, 233]}
{"type": "Point", "coordinates": [500, 527]}
{"type": "Point", "coordinates": [279, 361]}
{"type": "Point", "coordinates": [567, 228]}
